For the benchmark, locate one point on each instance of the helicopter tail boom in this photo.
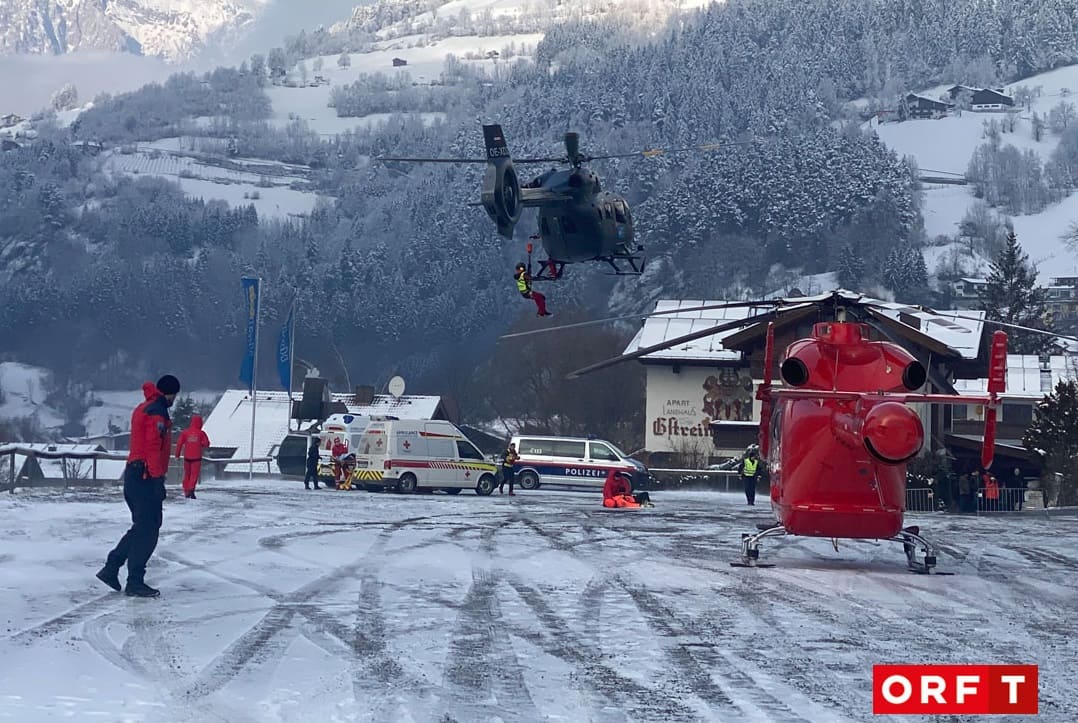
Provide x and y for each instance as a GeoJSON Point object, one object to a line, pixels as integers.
{"type": "Point", "coordinates": [501, 195]}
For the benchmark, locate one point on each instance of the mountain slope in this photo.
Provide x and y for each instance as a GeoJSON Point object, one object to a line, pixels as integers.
{"type": "Point", "coordinates": [173, 30]}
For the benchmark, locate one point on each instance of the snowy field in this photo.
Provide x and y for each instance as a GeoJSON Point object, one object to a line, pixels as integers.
{"type": "Point", "coordinates": [282, 604]}
{"type": "Point", "coordinates": [948, 144]}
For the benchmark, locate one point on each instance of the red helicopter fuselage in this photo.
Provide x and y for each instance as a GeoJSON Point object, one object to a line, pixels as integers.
{"type": "Point", "coordinates": [837, 456]}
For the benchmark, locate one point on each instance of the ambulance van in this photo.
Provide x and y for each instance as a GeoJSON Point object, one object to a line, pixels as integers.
{"type": "Point", "coordinates": [408, 455]}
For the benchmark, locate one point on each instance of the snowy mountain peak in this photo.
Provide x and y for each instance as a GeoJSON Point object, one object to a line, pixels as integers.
{"type": "Point", "coordinates": [171, 29]}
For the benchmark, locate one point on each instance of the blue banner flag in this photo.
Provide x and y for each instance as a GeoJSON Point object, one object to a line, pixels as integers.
{"type": "Point", "coordinates": [250, 297]}
{"type": "Point", "coordinates": [284, 349]}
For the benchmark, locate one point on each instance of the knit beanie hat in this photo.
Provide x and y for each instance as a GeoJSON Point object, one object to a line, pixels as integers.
{"type": "Point", "coordinates": [168, 384]}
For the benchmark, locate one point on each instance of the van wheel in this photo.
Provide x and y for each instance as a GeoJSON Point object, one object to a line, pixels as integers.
{"type": "Point", "coordinates": [451, 490]}
{"type": "Point", "coordinates": [407, 484]}
{"type": "Point", "coordinates": [485, 485]}
{"type": "Point", "coordinates": [528, 480]}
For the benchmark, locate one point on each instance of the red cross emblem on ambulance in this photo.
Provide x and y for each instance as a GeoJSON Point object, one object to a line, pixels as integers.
{"type": "Point", "coordinates": [407, 445]}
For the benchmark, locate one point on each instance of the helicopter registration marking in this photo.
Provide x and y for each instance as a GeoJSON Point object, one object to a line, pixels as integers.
{"type": "Point", "coordinates": [501, 152]}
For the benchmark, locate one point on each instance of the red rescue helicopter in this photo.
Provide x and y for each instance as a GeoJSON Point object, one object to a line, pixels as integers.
{"type": "Point", "coordinates": [838, 434]}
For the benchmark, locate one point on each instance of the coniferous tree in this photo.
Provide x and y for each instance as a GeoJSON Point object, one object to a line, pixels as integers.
{"type": "Point", "coordinates": [1053, 438]}
{"type": "Point", "coordinates": [1012, 296]}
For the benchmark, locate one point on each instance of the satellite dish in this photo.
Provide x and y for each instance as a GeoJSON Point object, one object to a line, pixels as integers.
{"type": "Point", "coordinates": [396, 386]}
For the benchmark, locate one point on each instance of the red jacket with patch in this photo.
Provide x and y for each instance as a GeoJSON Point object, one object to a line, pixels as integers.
{"type": "Point", "coordinates": [192, 441]}
{"type": "Point", "coordinates": [616, 485]}
{"type": "Point", "coordinates": [151, 436]}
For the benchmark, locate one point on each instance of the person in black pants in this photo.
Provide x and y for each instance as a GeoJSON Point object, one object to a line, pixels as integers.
{"type": "Point", "coordinates": [144, 490]}
{"type": "Point", "coordinates": [750, 471]}
{"type": "Point", "coordinates": [312, 465]}
{"type": "Point", "coordinates": [507, 473]}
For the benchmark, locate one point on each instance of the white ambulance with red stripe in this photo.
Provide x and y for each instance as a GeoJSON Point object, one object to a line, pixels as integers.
{"type": "Point", "coordinates": [408, 455]}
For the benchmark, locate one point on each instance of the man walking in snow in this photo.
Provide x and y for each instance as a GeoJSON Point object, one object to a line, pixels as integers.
{"type": "Point", "coordinates": [144, 490]}
{"type": "Point", "coordinates": [190, 445]}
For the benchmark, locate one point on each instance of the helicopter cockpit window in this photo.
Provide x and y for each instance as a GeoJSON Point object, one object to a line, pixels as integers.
{"type": "Point", "coordinates": [608, 212]}
{"type": "Point", "coordinates": [619, 213]}
{"type": "Point", "coordinates": [568, 225]}
{"type": "Point", "coordinates": [544, 227]}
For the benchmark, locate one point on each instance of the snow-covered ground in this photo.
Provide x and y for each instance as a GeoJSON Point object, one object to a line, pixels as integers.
{"type": "Point", "coordinates": [269, 193]}
{"type": "Point", "coordinates": [425, 63]}
{"type": "Point", "coordinates": [291, 605]}
{"type": "Point", "coordinates": [947, 145]}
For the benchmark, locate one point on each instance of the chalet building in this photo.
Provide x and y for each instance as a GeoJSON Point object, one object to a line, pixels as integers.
{"type": "Point", "coordinates": [1063, 298]}
{"type": "Point", "coordinates": [982, 99]}
{"type": "Point", "coordinates": [919, 106]}
{"type": "Point", "coordinates": [1029, 379]}
{"type": "Point", "coordinates": [6, 121]}
{"type": "Point", "coordinates": [399, 62]}
{"type": "Point", "coordinates": [701, 396]}
{"type": "Point", "coordinates": [968, 292]}
{"type": "Point", "coordinates": [991, 100]}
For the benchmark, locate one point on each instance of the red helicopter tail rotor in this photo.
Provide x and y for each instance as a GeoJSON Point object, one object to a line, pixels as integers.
{"type": "Point", "coordinates": [997, 384]}
{"type": "Point", "coordinates": [763, 393]}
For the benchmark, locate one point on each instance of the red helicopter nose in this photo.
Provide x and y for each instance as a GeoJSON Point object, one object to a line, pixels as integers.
{"type": "Point", "coordinates": [893, 432]}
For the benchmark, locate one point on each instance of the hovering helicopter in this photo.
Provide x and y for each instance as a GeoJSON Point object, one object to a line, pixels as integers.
{"type": "Point", "coordinates": [578, 220]}
{"type": "Point", "coordinates": [838, 435]}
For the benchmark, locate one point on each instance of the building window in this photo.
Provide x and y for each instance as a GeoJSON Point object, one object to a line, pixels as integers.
{"type": "Point", "coordinates": [1018, 414]}
{"type": "Point", "coordinates": [959, 412]}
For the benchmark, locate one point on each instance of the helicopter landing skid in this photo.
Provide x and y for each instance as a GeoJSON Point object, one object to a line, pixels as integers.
{"type": "Point", "coordinates": [636, 265]}
{"type": "Point", "coordinates": [550, 270]}
{"type": "Point", "coordinates": [911, 540]}
{"type": "Point", "coordinates": [750, 546]}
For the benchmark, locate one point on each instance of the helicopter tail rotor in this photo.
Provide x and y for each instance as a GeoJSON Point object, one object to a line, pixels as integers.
{"type": "Point", "coordinates": [501, 187]}
{"type": "Point", "coordinates": [997, 384]}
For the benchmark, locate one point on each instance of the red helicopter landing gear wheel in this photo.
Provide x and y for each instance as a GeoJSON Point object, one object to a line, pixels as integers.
{"type": "Point", "coordinates": [911, 539]}
{"type": "Point", "coordinates": [750, 547]}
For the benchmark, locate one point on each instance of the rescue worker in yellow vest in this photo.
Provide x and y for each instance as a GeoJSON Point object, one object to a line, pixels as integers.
{"type": "Point", "coordinates": [524, 286]}
{"type": "Point", "coordinates": [750, 471]}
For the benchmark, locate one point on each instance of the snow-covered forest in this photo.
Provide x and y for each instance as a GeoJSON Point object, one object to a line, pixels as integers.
{"type": "Point", "coordinates": [400, 274]}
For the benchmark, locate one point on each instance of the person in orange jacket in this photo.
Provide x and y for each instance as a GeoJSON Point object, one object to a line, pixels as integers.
{"type": "Point", "coordinates": [189, 446]}
{"type": "Point", "coordinates": [618, 492]}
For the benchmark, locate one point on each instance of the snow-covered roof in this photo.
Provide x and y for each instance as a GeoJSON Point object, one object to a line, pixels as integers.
{"type": "Point", "coordinates": [959, 330]}
{"type": "Point", "coordinates": [659, 329]}
{"type": "Point", "coordinates": [1027, 378]}
{"type": "Point", "coordinates": [229, 424]}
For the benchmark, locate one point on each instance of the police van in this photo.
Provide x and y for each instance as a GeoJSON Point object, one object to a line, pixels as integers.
{"type": "Point", "coordinates": [576, 461]}
{"type": "Point", "coordinates": [408, 455]}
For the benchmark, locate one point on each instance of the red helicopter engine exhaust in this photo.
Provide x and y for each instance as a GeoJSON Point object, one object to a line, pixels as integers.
{"type": "Point", "coordinates": [890, 431]}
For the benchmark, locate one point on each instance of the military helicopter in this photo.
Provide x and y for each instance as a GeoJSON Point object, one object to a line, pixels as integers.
{"type": "Point", "coordinates": [838, 434]}
{"type": "Point", "coordinates": [578, 220]}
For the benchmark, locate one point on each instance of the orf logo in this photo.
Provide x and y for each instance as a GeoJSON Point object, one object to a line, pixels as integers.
{"type": "Point", "coordinates": [954, 689]}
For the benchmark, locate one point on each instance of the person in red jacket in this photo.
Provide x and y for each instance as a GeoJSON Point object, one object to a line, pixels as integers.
{"type": "Point", "coordinates": [337, 453]}
{"type": "Point", "coordinates": [617, 492]}
{"type": "Point", "coordinates": [189, 446]}
{"type": "Point", "coordinates": [144, 490]}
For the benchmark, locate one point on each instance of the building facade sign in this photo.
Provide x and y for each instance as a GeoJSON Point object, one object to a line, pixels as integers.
{"type": "Point", "coordinates": [681, 405]}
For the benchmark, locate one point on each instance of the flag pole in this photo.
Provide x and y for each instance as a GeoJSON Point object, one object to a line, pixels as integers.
{"type": "Point", "coordinates": [291, 357]}
{"type": "Point", "coordinates": [254, 384]}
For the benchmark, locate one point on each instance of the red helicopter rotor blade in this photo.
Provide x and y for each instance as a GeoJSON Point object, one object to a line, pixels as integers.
{"type": "Point", "coordinates": [763, 393]}
{"type": "Point", "coordinates": [627, 317]}
{"type": "Point", "coordinates": [644, 351]}
{"type": "Point", "coordinates": [997, 384]}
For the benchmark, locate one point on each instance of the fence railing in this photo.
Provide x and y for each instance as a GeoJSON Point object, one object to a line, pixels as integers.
{"type": "Point", "coordinates": [725, 480]}
{"type": "Point", "coordinates": [926, 499]}
{"type": "Point", "coordinates": [12, 474]}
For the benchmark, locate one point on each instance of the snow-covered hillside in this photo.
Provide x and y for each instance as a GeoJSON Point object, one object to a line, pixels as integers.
{"type": "Point", "coordinates": [480, 33]}
{"type": "Point", "coordinates": [25, 390]}
{"type": "Point", "coordinates": [947, 144]}
{"type": "Point", "coordinates": [173, 29]}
